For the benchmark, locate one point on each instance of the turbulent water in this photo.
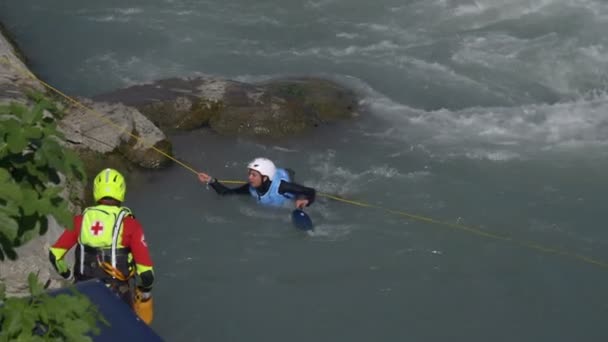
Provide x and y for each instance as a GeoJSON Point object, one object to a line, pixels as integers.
{"type": "Point", "coordinates": [487, 114]}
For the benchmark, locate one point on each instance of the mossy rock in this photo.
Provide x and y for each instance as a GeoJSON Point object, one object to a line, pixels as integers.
{"type": "Point", "coordinates": [275, 108]}
{"type": "Point", "coordinates": [324, 100]}
{"type": "Point", "coordinates": [286, 108]}
{"type": "Point", "coordinates": [149, 158]}
{"type": "Point", "coordinates": [184, 113]}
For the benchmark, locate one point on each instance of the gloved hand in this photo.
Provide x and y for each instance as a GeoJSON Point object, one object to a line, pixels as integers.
{"type": "Point", "coordinates": [62, 269]}
{"type": "Point", "coordinates": [60, 266]}
{"type": "Point", "coordinates": [66, 274]}
{"type": "Point", "coordinates": [144, 295]}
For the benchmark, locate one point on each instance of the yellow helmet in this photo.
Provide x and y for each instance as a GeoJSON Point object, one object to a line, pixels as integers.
{"type": "Point", "coordinates": [109, 183]}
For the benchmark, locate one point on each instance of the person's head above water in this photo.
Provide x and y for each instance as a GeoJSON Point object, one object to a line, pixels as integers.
{"type": "Point", "coordinates": [260, 169]}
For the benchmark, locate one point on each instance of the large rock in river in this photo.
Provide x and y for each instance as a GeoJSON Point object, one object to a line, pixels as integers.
{"type": "Point", "coordinates": [274, 108]}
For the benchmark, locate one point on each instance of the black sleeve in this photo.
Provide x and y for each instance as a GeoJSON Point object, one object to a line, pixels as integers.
{"type": "Point", "coordinates": [298, 190]}
{"type": "Point", "coordinates": [221, 189]}
{"type": "Point", "coordinates": [146, 281]}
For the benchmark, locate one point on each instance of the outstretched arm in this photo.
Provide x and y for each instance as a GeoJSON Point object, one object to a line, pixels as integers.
{"type": "Point", "coordinates": [220, 188]}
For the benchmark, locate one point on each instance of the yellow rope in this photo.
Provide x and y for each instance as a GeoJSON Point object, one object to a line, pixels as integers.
{"type": "Point", "coordinates": [469, 229]}
{"type": "Point", "coordinates": [462, 227]}
{"type": "Point", "coordinates": [475, 231]}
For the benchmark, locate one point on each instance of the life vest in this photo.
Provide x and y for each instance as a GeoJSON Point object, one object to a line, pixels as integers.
{"type": "Point", "coordinates": [272, 197]}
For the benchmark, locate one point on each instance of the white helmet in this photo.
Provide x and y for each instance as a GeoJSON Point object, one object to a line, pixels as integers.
{"type": "Point", "coordinates": [264, 166]}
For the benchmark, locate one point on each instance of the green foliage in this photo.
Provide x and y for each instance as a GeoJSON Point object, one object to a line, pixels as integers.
{"type": "Point", "coordinates": [31, 161]}
{"type": "Point", "coordinates": [45, 318]}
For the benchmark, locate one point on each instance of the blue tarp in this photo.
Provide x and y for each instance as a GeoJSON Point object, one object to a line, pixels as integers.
{"type": "Point", "coordinates": [124, 323]}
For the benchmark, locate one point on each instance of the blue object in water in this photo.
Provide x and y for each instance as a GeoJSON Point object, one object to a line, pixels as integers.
{"type": "Point", "coordinates": [301, 220]}
{"type": "Point", "coordinates": [124, 323]}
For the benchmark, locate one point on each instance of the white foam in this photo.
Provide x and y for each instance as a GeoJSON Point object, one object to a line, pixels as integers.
{"type": "Point", "coordinates": [131, 70]}
{"type": "Point", "coordinates": [347, 35]}
{"type": "Point", "coordinates": [284, 149]}
{"type": "Point", "coordinates": [507, 132]}
{"type": "Point", "coordinates": [397, 8]}
{"type": "Point", "coordinates": [128, 11]}
{"type": "Point", "coordinates": [597, 53]}
{"type": "Point", "coordinates": [109, 18]}
{"type": "Point", "coordinates": [384, 171]}
{"type": "Point", "coordinates": [417, 174]}
{"type": "Point", "coordinates": [256, 19]}
{"type": "Point", "coordinates": [375, 27]}
{"type": "Point", "coordinates": [550, 61]}
{"type": "Point", "coordinates": [318, 4]}
{"type": "Point", "coordinates": [263, 212]}
{"type": "Point", "coordinates": [486, 12]}
{"type": "Point", "coordinates": [331, 232]}
{"type": "Point", "coordinates": [475, 8]}
{"type": "Point", "coordinates": [338, 179]}
{"type": "Point", "coordinates": [121, 15]}
{"type": "Point", "coordinates": [351, 50]}
{"type": "Point", "coordinates": [492, 155]}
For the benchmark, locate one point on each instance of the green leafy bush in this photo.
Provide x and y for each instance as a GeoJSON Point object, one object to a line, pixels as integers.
{"type": "Point", "coordinates": [32, 161]}
{"type": "Point", "coordinates": [45, 318]}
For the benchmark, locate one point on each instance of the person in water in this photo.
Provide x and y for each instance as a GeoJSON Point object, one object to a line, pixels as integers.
{"type": "Point", "coordinates": [268, 184]}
